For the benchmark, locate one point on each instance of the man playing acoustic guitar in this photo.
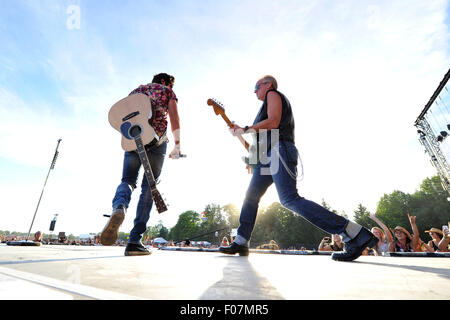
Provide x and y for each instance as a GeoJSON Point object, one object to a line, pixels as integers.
{"type": "Point", "coordinates": [164, 102]}
{"type": "Point", "coordinates": [276, 117]}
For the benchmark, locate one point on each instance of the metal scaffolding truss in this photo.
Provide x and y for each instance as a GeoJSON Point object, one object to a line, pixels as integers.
{"type": "Point", "coordinates": [429, 140]}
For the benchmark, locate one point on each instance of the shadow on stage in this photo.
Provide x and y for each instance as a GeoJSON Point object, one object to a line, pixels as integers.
{"type": "Point", "coordinates": [241, 282]}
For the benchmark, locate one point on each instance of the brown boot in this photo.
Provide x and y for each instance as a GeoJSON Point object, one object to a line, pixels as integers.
{"type": "Point", "coordinates": [110, 232]}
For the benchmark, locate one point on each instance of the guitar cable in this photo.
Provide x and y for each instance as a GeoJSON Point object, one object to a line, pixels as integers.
{"type": "Point", "coordinates": [294, 176]}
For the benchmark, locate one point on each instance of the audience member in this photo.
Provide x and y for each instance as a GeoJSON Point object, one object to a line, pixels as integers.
{"type": "Point", "coordinates": [272, 245]}
{"type": "Point", "coordinates": [436, 237]}
{"type": "Point", "coordinates": [225, 242]}
{"type": "Point", "coordinates": [439, 242]}
{"type": "Point", "coordinates": [416, 235]}
{"type": "Point", "coordinates": [37, 236]}
{"type": "Point", "coordinates": [404, 241]}
{"type": "Point", "coordinates": [384, 236]}
{"type": "Point", "coordinates": [333, 243]}
{"type": "Point", "coordinates": [444, 244]}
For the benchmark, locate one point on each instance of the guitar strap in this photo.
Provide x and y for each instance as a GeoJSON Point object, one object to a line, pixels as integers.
{"type": "Point", "coordinates": [156, 142]}
{"type": "Point", "coordinates": [163, 139]}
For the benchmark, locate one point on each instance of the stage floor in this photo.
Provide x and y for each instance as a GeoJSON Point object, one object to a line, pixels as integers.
{"type": "Point", "coordinates": [60, 272]}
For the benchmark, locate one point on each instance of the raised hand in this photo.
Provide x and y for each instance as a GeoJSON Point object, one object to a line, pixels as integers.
{"type": "Point", "coordinates": [412, 219]}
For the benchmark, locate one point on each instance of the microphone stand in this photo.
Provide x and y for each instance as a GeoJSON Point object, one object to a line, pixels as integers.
{"type": "Point", "coordinates": [32, 243]}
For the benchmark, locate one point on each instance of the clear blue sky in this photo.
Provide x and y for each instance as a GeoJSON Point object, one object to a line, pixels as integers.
{"type": "Point", "coordinates": [357, 73]}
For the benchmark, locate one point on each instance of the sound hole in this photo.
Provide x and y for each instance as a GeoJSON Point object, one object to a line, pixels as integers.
{"type": "Point", "coordinates": [135, 131]}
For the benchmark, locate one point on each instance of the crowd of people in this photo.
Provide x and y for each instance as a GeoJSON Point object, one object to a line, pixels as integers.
{"type": "Point", "coordinates": [398, 239]}
{"type": "Point", "coordinates": [14, 237]}
{"type": "Point", "coordinates": [60, 239]}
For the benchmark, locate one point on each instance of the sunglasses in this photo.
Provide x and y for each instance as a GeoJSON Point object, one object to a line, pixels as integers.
{"type": "Point", "coordinates": [257, 86]}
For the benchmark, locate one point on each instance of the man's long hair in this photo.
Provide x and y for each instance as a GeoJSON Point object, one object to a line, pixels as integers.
{"type": "Point", "coordinates": [168, 79]}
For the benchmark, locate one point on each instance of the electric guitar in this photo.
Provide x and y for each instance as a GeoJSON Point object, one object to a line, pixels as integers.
{"type": "Point", "coordinates": [251, 148]}
{"type": "Point", "coordinates": [130, 117]}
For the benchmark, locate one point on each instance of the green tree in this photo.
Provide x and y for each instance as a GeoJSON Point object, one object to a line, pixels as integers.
{"type": "Point", "coordinates": [287, 228]}
{"type": "Point", "coordinates": [393, 209]}
{"type": "Point", "coordinates": [430, 205]}
{"type": "Point", "coordinates": [362, 217]}
{"type": "Point", "coordinates": [151, 231]}
{"type": "Point", "coordinates": [215, 219]}
{"type": "Point", "coordinates": [159, 230]}
{"type": "Point", "coordinates": [232, 214]}
{"type": "Point", "coordinates": [268, 225]}
{"type": "Point", "coordinates": [163, 232]}
{"type": "Point", "coordinates": [123, 236]}
{"type": "Point", "coordinates": [188, 225]}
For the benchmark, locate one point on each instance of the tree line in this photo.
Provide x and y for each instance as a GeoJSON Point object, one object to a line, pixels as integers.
{"type": "Point", "coordinates": [429, 204]}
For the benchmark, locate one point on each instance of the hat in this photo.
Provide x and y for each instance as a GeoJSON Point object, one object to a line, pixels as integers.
{"type": "Point", "coordinates": [379, 229]}
{"type": "Point", "coordinates": [404, 231]}
{"type": "Point", "coordinates": [435, 230]}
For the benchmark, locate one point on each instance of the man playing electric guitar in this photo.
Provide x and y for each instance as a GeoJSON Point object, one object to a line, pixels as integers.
{"type": "Point", "coordinates": [276, 116]}
{"type": "Point", "coordinates": [164, 102]}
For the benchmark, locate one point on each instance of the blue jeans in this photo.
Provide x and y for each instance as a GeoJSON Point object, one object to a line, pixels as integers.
{"type": "Point", "coordinates": [275, 172]}
{"type": "Point", "coordinates": [131, 166]}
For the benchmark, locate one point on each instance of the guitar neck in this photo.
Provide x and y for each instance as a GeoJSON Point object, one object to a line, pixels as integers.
{"type": "Point", "coordinates": [224, 117]}
{"type": "Point", "coordinates": [244, 142]}
{"type": "Point", "coordinates": [230, 124]}
{"type": "Point", "coordinates": [145, 162]}
{"type": "Point", "coordinates": [157, 199]}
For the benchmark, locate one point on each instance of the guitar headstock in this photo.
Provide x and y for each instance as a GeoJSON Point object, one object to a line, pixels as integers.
{"type": "Point", "coordinates": [159, 202]}
{"type": "Point", "coordinates": [218, 107]}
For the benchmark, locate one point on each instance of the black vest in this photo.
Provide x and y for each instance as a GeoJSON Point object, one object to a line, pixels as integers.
{"type": "Point", "coordinates": [286, 126]}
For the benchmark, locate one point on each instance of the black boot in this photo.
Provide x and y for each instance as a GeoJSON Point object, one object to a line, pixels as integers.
{"type": "Point", "coordinates": [136, 249]}
{"type": "Point", "coordinates": [354, 248]}
{"type": "Point", "coordinates": [235, 248]}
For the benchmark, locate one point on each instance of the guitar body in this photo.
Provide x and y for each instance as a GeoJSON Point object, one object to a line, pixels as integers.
{"type": "Point", "coordinates": [130, 117]}
{"type": "Point", "coordinates": [132, 111]}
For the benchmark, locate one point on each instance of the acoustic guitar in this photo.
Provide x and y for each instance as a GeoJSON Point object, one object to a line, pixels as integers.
{"type": "Point", "coordinates": [130, 117]}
